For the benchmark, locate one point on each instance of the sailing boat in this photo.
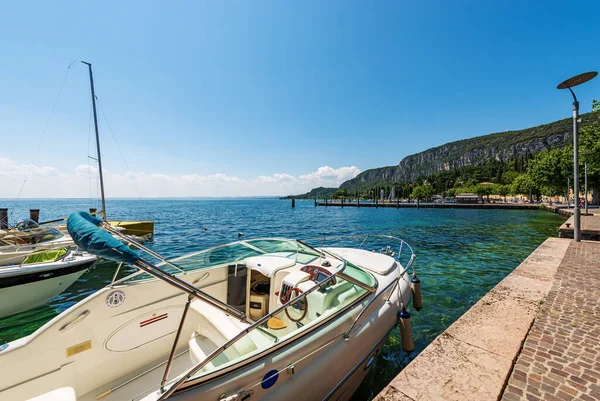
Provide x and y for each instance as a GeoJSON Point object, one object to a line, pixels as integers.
{"type": "Point", "coordinates": [137, 228]}
{"type": "Point", "coordinates": [258, 319]}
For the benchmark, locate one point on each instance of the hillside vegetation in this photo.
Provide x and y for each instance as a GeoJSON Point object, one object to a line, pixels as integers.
{"type": "Point", "coordinates": [499, 147]}
{"type": "Point", "coordinates": [503, 160]}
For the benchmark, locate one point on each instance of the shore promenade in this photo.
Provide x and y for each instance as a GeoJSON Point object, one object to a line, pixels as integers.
{"type": "Point", "coordinates": [535, 336]}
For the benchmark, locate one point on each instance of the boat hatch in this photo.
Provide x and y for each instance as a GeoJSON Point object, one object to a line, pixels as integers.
{"type": "Point", "coordinates": [375, 262]}
{"type": "Point", "coordinates": [269, 265]}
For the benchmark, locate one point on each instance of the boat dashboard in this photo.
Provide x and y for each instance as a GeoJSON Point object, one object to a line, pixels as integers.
{"type": "Point", "coordinates": [281, 278]}
{"type": "Point", "coordinates": [317, 273]}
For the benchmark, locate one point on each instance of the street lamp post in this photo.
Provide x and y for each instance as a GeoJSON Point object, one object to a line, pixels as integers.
{"type": "Point", "coordinates": [586, 191]}
{"type": "Point", "coordinates": [568, 84]}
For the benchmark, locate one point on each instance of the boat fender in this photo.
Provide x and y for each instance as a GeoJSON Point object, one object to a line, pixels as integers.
{"type": "Point", "coordinates": [415, 286]}
{"type": "Point", "coordinates": [406, 331]}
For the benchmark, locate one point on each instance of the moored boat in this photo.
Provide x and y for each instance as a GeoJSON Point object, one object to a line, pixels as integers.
{"type": "Point", "coordinates": [256, 319]}
{"type": "Point", "coordinates": [39, 278]}
{"type": "Point", "coordinates": [140, 229]}
{"type": "Point", "coordinates": [16, 244]}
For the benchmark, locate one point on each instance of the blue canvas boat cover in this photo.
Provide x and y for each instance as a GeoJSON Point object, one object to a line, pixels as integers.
{"type": "Point", "coordinates": [84, 230]}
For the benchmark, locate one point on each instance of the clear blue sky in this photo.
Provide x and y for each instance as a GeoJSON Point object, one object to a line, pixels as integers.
{"type": "Point", "coordinates": [257, 88]}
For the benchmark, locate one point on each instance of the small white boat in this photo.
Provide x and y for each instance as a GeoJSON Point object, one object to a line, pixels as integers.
{"type": "Point", "coordinates": [39, 278]}
{"type": "Point", "coordinates": [16, 244]}
{"type": "Point", "coordinates": [258, 319]}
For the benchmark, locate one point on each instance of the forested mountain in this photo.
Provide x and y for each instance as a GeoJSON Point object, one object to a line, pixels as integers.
{"type": "Point", "coordinates": [319, 193]}
{"type": "Point", "coordinates": [499, 147]}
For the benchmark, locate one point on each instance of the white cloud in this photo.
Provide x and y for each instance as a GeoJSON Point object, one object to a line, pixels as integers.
{"type": "Point", "coordinates": [327, 174]}
{"type": "Point", "coordinates": [49, 182]}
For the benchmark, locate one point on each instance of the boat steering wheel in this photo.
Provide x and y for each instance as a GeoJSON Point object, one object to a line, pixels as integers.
{"type": "Point", "coordinates": [301, 305]}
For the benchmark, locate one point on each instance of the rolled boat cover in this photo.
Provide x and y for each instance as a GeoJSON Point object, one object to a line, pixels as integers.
{"type": "Point", "coordinates": [84, 230]}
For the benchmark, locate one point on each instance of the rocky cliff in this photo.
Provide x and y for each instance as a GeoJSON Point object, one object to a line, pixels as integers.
{"type": "Point", "coordinates": [499, 146]}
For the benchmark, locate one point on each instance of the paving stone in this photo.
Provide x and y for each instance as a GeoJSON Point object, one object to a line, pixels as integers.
{"type": "Point", "coordinates": [467, 370]}
{"type": "Point", "coordinates": [497, 325]}
{"type": "Point", "coordinates": [565, 335]}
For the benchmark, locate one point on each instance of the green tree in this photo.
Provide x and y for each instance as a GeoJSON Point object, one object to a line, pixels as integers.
{"type": "Point", "coordinates": [509, 176]}
{"type": "Point", "coordinates": [550, 169]}
{"type": "Point", "coordinates": [589, 140]}
{"type": "Point", "coordinates": [423, 192]}
{"type": "Point", "coordinates": [525, 185]}
{"type": "Point", "coordinates": [486, 190]}
{"type": "Point", "coordinates": [503, 191]}
{"type": "Point", "coordinates": [340, 193]}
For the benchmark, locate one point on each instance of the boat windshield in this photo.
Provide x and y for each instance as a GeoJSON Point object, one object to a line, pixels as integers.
{"type": "Point", "coordinates": [34, 236]}
{"type": "Point", "coordinates": [233, 253]}
{"type": "Point", "coordinates": [26, 225]}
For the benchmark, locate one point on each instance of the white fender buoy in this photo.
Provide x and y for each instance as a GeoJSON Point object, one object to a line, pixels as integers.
{"type": "Point", "coordinates": [415, 286]}
{"type": "Point", "coordinates": [406, 331]}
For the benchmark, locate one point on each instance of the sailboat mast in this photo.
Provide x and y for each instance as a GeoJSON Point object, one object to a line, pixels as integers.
{"type": "Point", "coordinates": [97, 142]}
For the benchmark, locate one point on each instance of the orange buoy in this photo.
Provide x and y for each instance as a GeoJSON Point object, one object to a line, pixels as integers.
{"type": "Point", "coordinates": [406, 331]}
{"type": "Point", "coordinates": [417, 299]}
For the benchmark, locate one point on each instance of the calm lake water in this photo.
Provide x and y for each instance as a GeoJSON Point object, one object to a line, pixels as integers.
{"type": "Point", "coordinates": [461, 254]}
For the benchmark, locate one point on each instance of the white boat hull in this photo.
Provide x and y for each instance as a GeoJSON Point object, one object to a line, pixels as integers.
{"type": "Point", "coordinates": [27, 287]}
{"type": "Point", "coordinates": [115, 354]}
{"type": "Point", "coordinates": [325, 365]}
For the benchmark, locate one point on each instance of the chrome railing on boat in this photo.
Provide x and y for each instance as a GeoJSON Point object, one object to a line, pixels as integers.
{"type": "Point", "coordinates": [402, 245]}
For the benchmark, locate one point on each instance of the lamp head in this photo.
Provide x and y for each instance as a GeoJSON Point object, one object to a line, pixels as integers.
{"type": "Point", "coordinates": [577, 80]}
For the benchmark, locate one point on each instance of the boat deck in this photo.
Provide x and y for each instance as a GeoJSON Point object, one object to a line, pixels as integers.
{"type": "Point", "coordinates": [135, 388]}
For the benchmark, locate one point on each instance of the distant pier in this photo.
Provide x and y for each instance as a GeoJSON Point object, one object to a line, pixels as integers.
{"type": "Point", "coordinates": [415, 205]}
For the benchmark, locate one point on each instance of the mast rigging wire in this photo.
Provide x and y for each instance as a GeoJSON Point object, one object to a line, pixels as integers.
{"type": "Point", "coordinates": [35, 154]}
{"type": "Point", "coordinates": [88, 159]}
{"type": "Point", "coordinates": [120, 152]}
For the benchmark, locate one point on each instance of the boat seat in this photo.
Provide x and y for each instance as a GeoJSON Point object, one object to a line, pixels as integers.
{"type": "Point", "coordinates": [319, 302]}
{"type": "Point", "coordinates": [214, 329]}
{"type": "Point", "coordinates": [60, 394]}
{"type": "Point", "coordinates": [348, 296]}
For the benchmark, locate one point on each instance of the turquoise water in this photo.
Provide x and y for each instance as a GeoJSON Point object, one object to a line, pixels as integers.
{"type": "Point", "coordinates": [461, 254]}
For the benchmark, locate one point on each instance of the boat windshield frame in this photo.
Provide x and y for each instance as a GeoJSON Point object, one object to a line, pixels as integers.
{"type": "Point", "coordinates": [178, 263]}
{"type": "Point", "coordinates": [402, 245]}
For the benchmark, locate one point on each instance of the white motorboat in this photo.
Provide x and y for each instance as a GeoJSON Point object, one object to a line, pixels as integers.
{"type": "Point", "coordinates": [18, 243]}
{"type": "Point", "coordinates": [39, 278]}
{"type": "Point", "coordinates": [258, 319]}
